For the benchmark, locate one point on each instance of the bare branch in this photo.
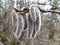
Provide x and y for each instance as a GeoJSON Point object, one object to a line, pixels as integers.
{"type": "Point", "coordinates": [26, 10]}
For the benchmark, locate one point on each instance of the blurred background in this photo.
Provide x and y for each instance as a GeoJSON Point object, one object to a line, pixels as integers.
{"type": "Point", "coordinates": [50, 27]}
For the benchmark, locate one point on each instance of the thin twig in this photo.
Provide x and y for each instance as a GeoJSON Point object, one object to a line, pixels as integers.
{"type": "Point", "coordinates": [26, 10]}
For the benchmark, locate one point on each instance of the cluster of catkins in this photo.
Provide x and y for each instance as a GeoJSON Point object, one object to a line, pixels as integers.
{"type": "Point", "coordinates": [30, 22]}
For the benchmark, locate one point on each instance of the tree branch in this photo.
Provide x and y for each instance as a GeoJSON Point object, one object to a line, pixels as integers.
{"type": "Point", "coordinates": [26, 10]}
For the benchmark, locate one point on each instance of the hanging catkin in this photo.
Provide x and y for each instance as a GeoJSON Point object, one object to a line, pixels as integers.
{"type": "Point", "coordinates": [20, 26]}
{"type": "Point", "coordinates": [18, 22]}
{"type": "Point", "coordinates": [34, 21]}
